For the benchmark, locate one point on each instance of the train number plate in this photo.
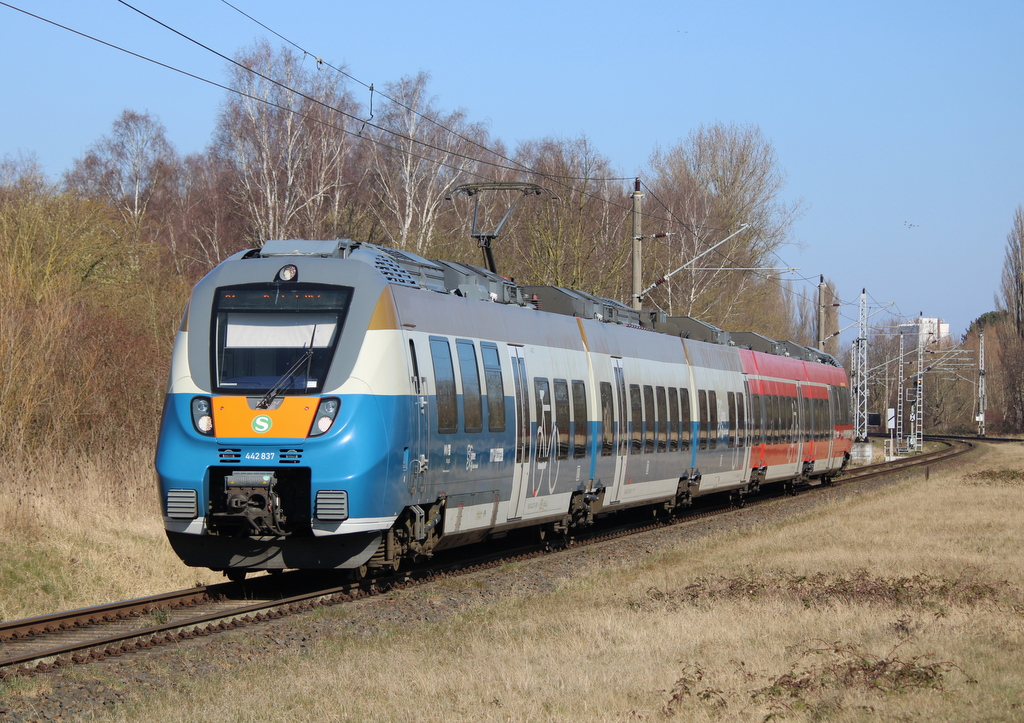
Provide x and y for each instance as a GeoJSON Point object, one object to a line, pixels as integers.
{"type": "Point", "coordinates": [251, 456]}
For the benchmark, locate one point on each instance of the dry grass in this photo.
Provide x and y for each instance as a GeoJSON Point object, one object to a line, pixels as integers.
{"type": "Point", "coordinates": [83, 532]}
{"type": "Point", "coordinates": [899, 604]}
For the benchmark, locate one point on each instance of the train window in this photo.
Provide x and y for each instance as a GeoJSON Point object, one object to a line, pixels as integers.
{"type": "Point", "coordinates": [444, 386]}
{"type": "Point", "coordinates": [731, 400]}
{"type": "Point", "coordinates": [673, 417]}
{"type": "Point", "coordinates": [780, 433]}
{"type": "Point", "coordinates": [607, 420]}
{"type": "Point", "coordinates": [780, 420]}
{"type": "Point", "coordinates": [762, 423]}
{"type": "Point", "coordinates": [740, 421]}
{"type": "Point", "coordinates": [702, 404]}
{"type": "Point", "coordinates": [755, 404]}
{"type": "Point", "coordinates": [543, 389]}
{"type": "Point", "coordinates": [684, 419]}
{"type": "Point", "coordinates": [791, 410]}
{"type": "Point", "coordinates": [562, 418]}
{"type": "Point", "coordinates": [649, 419]}
{"type": "Point", "coordinates": [522, 405]}
{"type": "Point", "coordinates": [713, 418]}
{"type": "Point", "coordinates": [472, 403]}
{"type": "Point", "coordinates": [415, 368]}
{"type": "Point", "coordinates": [659, 394]}
{"type": "Point", "coordinates": [579, 419]}
{"type": "Point", "coordinates": [620, 385]}
{"type": "Point", "coordinates": [495, 388]}
{"type": "Point", "coordinates": [637, 413]}
{"type": "Point", "coordinates": [267, 338]}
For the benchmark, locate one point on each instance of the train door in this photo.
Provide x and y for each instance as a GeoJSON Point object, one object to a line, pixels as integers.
{"type": "Point", "coordinates": [415, 462]}
{"type": "Point", "coordinates": [621, 439]}
{"type": "Point", "coordinates": [520, 470]}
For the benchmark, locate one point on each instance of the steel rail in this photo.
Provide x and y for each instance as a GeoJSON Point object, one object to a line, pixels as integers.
{"type": "Point", "coordinates": [128, 641]}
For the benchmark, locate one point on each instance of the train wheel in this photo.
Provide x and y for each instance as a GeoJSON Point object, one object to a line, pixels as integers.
{"type": "Point", "coordinates": [236, 575]}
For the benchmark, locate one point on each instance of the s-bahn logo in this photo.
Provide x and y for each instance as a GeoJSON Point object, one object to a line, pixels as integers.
{"type": "Point", "coordinates": [262, 423]}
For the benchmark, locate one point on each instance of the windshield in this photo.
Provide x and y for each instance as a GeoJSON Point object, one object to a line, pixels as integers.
{"type": "Point", "coordinates": [262, 331]}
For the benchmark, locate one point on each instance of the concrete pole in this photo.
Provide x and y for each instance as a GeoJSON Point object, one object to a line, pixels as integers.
{"type": "Point", "coordinates": [821, 313]}
{"type": "Point", "coordinates": [637, 244]}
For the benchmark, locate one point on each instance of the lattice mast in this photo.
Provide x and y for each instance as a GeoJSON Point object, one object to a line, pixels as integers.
{"type": "Point", "coordinates": [860, 373]}
{"type": "Point", "coordinates": [899, 397]}
{"type": "Point", "coordinates": [917, 406]}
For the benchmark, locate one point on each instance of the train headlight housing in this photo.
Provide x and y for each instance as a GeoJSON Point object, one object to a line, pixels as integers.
{"type": "Point", "coordinates": [287, 273]}
{"type": "Point", "coordinates": [325, 415]}
{"type": "Point", "coordinates": [202, 415]}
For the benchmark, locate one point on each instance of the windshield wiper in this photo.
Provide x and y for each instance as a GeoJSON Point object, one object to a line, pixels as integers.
{"type": "Point", "coordinates": [269, 397]}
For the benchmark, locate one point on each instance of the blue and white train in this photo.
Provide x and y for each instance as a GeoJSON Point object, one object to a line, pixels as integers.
{"type": "Point", "coordinates": [335, 404]}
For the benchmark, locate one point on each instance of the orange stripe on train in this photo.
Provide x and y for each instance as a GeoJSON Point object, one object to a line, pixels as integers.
{"type": "Point", "coordinates": [232, 418]}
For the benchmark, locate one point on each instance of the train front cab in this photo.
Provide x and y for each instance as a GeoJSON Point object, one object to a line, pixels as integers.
{"type": "Point", "coordinates": [266, 398]}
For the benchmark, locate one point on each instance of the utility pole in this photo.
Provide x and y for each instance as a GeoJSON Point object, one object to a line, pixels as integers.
{"type": "Point", "coordinates": [982, 399]}
{"type": "Point", "coordinates": [638, 240]}
{"type": "Point", "coordinates": [821, 313]}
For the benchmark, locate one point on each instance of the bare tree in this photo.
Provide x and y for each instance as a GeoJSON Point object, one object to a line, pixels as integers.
{"type": "Point", "coordinates": [1010, 329]}
{"type": "Point", "coordinates": [203, 227]}
{"type": "Point", "coordinates": [573, 236]}
{"type": "Point", "coordinates": [287, 134]}
{"type": "Point", "coordinates": [420, 155]}
{"type": "Point", "coordinates": [722, 176]}
{"type": "Point", "coordinates": [127, 169]}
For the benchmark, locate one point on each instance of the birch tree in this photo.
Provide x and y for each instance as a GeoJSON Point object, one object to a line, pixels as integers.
{"type": "Point", "coordinates": [127, 169]}
{"type": "Point", "coordinates": [287, 133]}
{"type": "Point", "coordinates": [419, 156]}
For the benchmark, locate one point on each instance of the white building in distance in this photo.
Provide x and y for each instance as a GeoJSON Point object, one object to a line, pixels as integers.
{"type": "Point", "coordinates": [928, 330]}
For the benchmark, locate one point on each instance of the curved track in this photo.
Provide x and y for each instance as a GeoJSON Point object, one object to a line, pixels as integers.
{"type": "Point", "coordinates": [46, 642]}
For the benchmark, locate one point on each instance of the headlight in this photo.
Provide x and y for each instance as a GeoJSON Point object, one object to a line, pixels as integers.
{"type": "Point", "coordinates": [202, 415]}
{"type": "Point", "coordinates": [325, 415]}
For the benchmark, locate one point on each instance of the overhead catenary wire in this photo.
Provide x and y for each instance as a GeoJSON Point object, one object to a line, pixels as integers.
{"type": "Point", "coordinates": [560, 180]}
{"type": "Point", "coordinates": [516, 166]}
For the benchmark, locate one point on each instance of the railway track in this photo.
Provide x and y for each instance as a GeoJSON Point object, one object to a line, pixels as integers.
{"type": "Point", "coordinates": [43, 643]}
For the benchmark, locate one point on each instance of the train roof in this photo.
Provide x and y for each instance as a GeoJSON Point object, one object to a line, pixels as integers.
{"type": "Point", "coordinates": [405, 268]}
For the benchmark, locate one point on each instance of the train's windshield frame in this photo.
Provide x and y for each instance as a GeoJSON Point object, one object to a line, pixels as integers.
{"type": "Point", "coordinates": [260, 333]}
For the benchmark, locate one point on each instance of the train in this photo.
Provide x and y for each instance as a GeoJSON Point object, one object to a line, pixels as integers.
{"type": "Point", "coordinates": [342, 405]}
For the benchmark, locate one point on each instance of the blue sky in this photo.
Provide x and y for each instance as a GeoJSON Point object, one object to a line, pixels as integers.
{"type": "Point", "coordinates": [899, 124]}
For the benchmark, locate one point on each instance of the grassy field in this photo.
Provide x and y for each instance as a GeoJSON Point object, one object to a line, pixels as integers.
{"type": "Point", "coordinates": [83, 533]}
{"type": "Point", "coordinates": [902, 603]}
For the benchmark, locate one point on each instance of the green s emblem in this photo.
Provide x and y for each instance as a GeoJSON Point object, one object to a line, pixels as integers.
{"type": "Point", "coordinates": [262, 423]}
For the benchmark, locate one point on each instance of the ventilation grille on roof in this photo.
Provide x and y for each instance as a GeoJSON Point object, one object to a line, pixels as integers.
{"type": "Point", "coordinates": [392, 271]}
